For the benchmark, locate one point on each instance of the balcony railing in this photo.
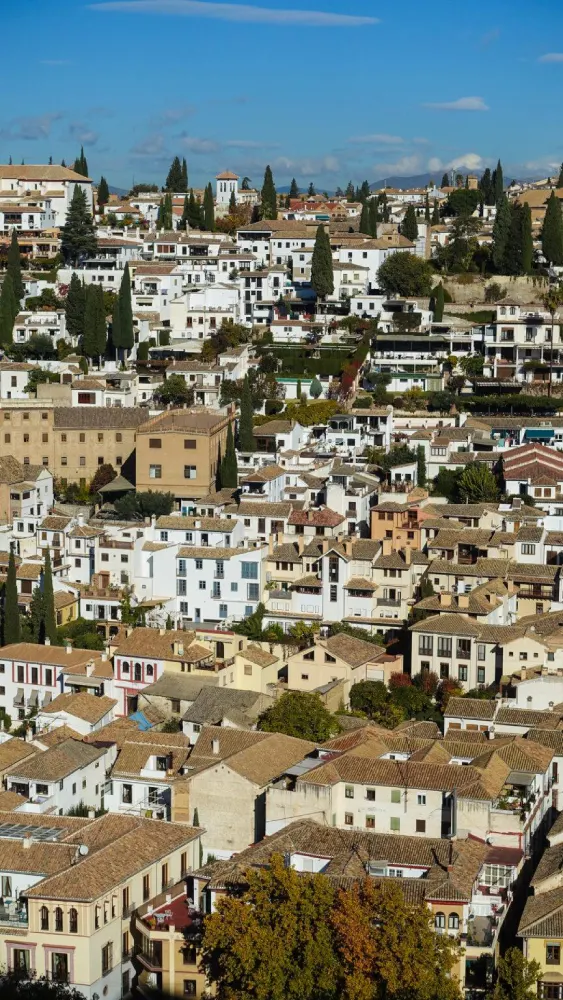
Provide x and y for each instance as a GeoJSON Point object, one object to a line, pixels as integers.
{"type": "Point", "coordinates": [388, 602]}
{"type": "Point", "coordinates": [151, 960]}
{"type": "Point", "coordinates": [128, 910]}
{"type": "Point", "coordinates": [14, 916]}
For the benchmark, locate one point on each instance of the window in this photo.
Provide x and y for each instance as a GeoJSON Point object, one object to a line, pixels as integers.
{"type": "Point", "coordinates": [6, 885]}
{"type": "Point", "coordinates": [249, 571]}
{"type": "Point", "coordinates": [199, 564]}
{"type": "Point", "coordinates": [107, 958]}
{"type": "Point", "coordinates": [253, 592]}
{"type": "Point", "coordinates": [349, 792]}
{"type": "Point", "coordinates": [146, 886]}
{"type": "Point", "coordinates": [552, 954]}
{"type": "Point", "coordinates": [528, 550]}
{"type": "Point", "coordinates": [127, 794]}
{"type": "Point", "coordinates": [480, 675]}
{"type": "Point", "coordinates": [190, 472]}
{"type": "Point", "coordinates": [189, 443]}
{"type": "Point", "coordinates": [421, 826]}
{"type": "Point", "coordinates": [425, 645]}
{"type": "Point", "coordinates": [189, 987]}
{"type": "Point", "coordinates": [73, 920]}
{"type": "Point", "coordinates": [370, 822]}
{"type": "Point", "coordinates": [453, 922]}
{"type": "Point", "coordinates": [444, 646]}
{"type": "Point", "coordinates": [164, 876]}
{"type": "Point", "coordinates": [421, 800]}
{"type": "Point", "coordinates": [304, 677]}
{"type": "Point", "coordinates": [60, 966]}
{"type": "Point", "coordinates": [463, 647]}
{"type": "Point", "coordinates": [395, 795]}
{"type": "Point", "coordinates": [497, 875]}
{"type": "Point", "coordinates": [439, 921]}
{"type": "Point", "coordinates": [480, 652]}
{"type": "Point", "coordinates": [348, 819]}
{"type": "Point", "coordinates": [44, 916]}
{"type": "Point", "coordinates": [155, 443]}
{"type": "Point", "coordinates": [21, 960]}
{"type": "Point", "coordinates": [155, 472]}
{"type": "Point", "coordinates": [395, 824]}
{"type": "Point", "coordinates": [370, 794]}
{"type": "Point", "coordinates": [444, 670]}
{"type": "Point", "coordinates": [333, 592]}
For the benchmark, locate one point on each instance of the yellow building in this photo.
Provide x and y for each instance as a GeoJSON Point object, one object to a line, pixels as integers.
{"type": "Point", "coordinates": [70, 890]}
{"type": "Point", "coordinates": [178, 452]}
{"type": "Point", "coordinates": [169, 961]}
{"type": "Point", "coordinates": [541, 925]}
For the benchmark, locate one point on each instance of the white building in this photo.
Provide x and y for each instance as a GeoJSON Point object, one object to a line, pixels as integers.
{"type": "Point", "coordinates": [48, 187]}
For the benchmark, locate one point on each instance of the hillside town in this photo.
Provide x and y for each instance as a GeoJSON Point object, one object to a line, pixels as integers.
{"type": "Point", "coordinates": [281, 567]}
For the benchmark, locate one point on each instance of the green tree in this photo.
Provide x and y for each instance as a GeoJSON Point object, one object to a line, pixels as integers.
{"type": "Point", "coordinates": [365, 219]}
{"type": "Point", "coordinates": [501, 233]}
{"type": "Point", "coordinates": [229, 464]}
{"type": "Point", "coordinates": [517, 979]}
{"type": "Point", "coordinates": [293, 189]}
{"type": "Point", "coordinates": [94, 339]}
{"type": "Point", "coordinates": [438, 302]}
{"type": "Point", "coordinates": [8, 311]}
{"type": "Point", "coordinates": [403, 273]}
{"type": "Point", "coordinates": [462, 202]}
{"type": "Point", "coordinates": [126, 332]}
{"type": "Point", "coordinates": [115, 334]}
{"type": "Point", "coordinates": [409, 225]}
{"type": "Point", "coordinates": [103, 194]}
{"type": "Point", "coordinates": [486, 188]}
{"type": "Point", "coordinates": [164, 218]}
{"type": "Point", "coordinates": [435, 214]}
{"type": "Point", "coordinates": [527, 240]}
{"type": "Point", "coordinates": [301, 714]}
{"type": "Point", "coordinates": [445, 181]}
{"type": "Point", "coordinates": [245, 185]}
{"type": "Point", "coordinates": [446, 484]}
{"type": "Point", "coordinates": [103, 475]}
{"type": "Point", "coordinates": [209, 209]}
{"type": "Point", "coordinates": [552, 232]}
{"type": "Point", "coordinates": [193, 214]}
{"type": "Point", "coordinates": [13, 986]}
{"type": "Point", "coordinates": [246, 440]}
{"type": "Point", "coordinates": [184, 176]}
{"type": "Point", "coordinates": [75, 306]}
{"type": "Point", "coordinates": [78, 235]}
{"type": "Point", "coordinates": [373, 218]}
{"type": "Point", "coordinates": [175, 178]}
{"type": "Point", "coordinates": [368, 697]}
{"type": "Point", "coordinates": [427, 210]}
{"type": "Point", "coordinates": [81, 164]}
{"type": "Point", "coordinates": [268, 202]}
{"type": "Point", "coordinates": [498, 183]}
{"type": "Point", "coordinates": [174, 391]}
{"type": "Point", "coordinates": [11, 610]}
{"type": "Point", "coordinates": [315, 389]}
{"type": "Point", "coordinates": [50, 621]}
{"type": "Point", "coordinates": [14, 267]}
{"type": "Point", "coordinates": [232, 203]}
{"type": "Point", "coordinates": [477, 484]}
{"type": "Point", "coordinates": [420, 466]}
{"type": "Point", "coordinates": [322, 274]}
{"type": "Point", "coordinates": [552, 301]}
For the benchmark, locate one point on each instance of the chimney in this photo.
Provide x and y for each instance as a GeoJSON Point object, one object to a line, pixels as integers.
{"type": "Point", "coordinates": [300, 544]}
{"type": "Point", "coordinates": [161, 631]}
{"type": "Point", "coordinates": [81, 520]}
{"type": "Point", "coordinates": [309, 515]}
{"type": "Point", "coordinates": [463, 601]}
{"type": "Point", "coordinates": [89, 668]}
{"type": "Point", "coordinates": [387, 546]}
{"type": "Point", "coordinates": [179, 648]}
{"type": "Point", "coordinates": [47, 641]}
{"type": "Point", "coordinates": [105, 655]}
{"type": "Point", "coordinates": [348, 546]}
{"type": "Point", "coordinates": [406, 553]}
{"type": "Point", "coordinates": [27, 841]}
{"type": "Point", "coordinates": [29, 734]}
{"type": "Point", "coordinates": [68, 647]}
{"type": "Point", "coordinates": [91, 814]}
{"type": "Point", "coordinates": [445, 600]}
{"type": "Point", "coordinates": [272, 540]}
{"type": "Point", "coordinates": [215, 747]}
{"type": "Point", "coordinates": [325, 543]}
{"type": "Point", "coordinates": [153, 520]}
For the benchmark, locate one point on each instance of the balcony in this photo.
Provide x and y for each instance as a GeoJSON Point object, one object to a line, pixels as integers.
{"type": "Point", "coordinates": [14, 915]}
{"type": "Point", "coordinates": [388, 602]}
{"type": "Point", "coordinates": [152, 958]}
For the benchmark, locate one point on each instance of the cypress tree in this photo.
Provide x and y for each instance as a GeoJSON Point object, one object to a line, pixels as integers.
{"type": "Point", "coordinates": [245, 426]}
{"type": "Point", "coordinates": [373, 218]}
{"type": "Point", "coordinates": [498, 190]}
{"type": "Point", "coordinates": [103, 193]}
{"type": "Point", "coordinates": [427, 210]}
{"type": "Point", "coordinates": [74, 307]}
{"type": "Point", "coordinates": [409, 225]}
{"type": "Point", "coordinates": [438, 294]}
{"type": "Point", "coordinates": [229, 467]}
{"type": "Point", "coordinates": [436, 214]}
{"type": "Point", "coordinates": [268, 203]}
{"type": "Point", "coordinates": [218, 483]}
{"type": "Point", "coordinates": [116, 328]}
{"type": "Point", "coordinates": [94, 339]}
{"type": "Point", "coordinates": [185, 212]}
{"type": "Point", "coordinates": [527, 240]}
{"type": "Point", "coordinates": [14, 267]}
{"type": "Point", "coordinates": [322, 273]}
{"type": "Point", "coordinates": [11, 611]}
{"type": "Point", "coordinates": [126, 332]}
{"type": "Point", "coordinates": [552, 232]}
{"type": "Point", "coordinates": [365, 222]}
{"type": "Point", "coordinates": [49, 601]}
{"type": "Point", "coordinates": [175, 176]}
{"type": "Point", "coordinates": [421, 464]}
{"type": "Point", "coordinates": [293, 189]}
{"type": "Point", "coordinates": [8, 311]}
{"type": "Point", "coordinates": [311, 190]}
{"type": "Point", "coordinates": [209, 209]}
{"type": "Point", "coordinates": [78, 235]}
{"type": "Point", "coordinates": [445, 181]}
{"type": "Point", "coordinates": [184, 177]}
{"type": "Point", "coordinates": [501, 230]}
{"type": "Point", "coordinates": [164, 217]}
{"type": "Point", "coordinates": [513, 250]}
{"type": "Point", "coordinates": [194, 212]}
{"type": "Point", "coordinates": [81, 164]}
{"type": "Point", "coordinates": [37, 615]}
{"type": "Point", "coordinates": [232, 202]}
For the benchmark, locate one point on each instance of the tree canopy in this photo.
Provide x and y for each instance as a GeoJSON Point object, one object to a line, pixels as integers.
{"type": "Point", "coordinates": [175, 391]}
{"type": "Point", "coordinates": [268, 200]}
{"type": "Point", "coordinates": [299, 713]}
{"type": "Point", "coordinates": [78, 235]}
{"type": "Point", "coordinates": [477, 484]}
{"type": "Point", "coordinates": [322, 273]}
{"type": "Point", "coordinates": [405, 274]}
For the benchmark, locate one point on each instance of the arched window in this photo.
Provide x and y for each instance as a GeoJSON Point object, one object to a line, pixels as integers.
{"type": "Point", "coordinates": [124, 667]}
{"type": "Point", "coordinates": [44, 918]}
{"type": "Point", "coordinates": [150, 670]}
{"type": "Point", "coordinates": [58, 919]}
{"type": "Point", "coordinates": [439, 921]}
{"type": "Point", "coordinates": [453, 922]}
{"type": "Point", "coordinates": [138, 672]}
{"type": "Point", "coordinates": [73, 920]}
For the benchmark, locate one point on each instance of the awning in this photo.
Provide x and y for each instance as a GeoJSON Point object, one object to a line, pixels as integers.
{"type": "Point", "coordinates": [19, 699]}
{"type": "Point", "coordinates": [539, 434]}
{"type": "Point", "coordinates": [47, 698]}
{"type": "Point", "coordinates": [34, 698]}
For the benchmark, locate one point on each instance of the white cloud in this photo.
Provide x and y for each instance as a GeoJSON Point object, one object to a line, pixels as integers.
{"type": "Point", "coordinates": [83, 134]}
{"type": "Point", "coordinates": [173, 115]}
{"type": "Point", "coordinates": [250, 144]}
{"type": "Point", "coordinates": [236, 12]}
{"type": "Point", "coordinates": [152, 145]}
{"type": "Point", "coordinates": [471, 161]}
{"type": "Point", "coordinates": [404, 166]}
{"type": "Point", "coordinates": [462, 104]}
{"type": "Point", "coordinates": [551, 57]}
{"type": "Point", "coordinates": [31, 128]}
{"type": "Point", "coordinates": [378, 137]}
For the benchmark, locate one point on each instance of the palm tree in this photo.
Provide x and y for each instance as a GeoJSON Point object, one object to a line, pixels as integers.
{"type": "Point", "coordinates": [552, 300]}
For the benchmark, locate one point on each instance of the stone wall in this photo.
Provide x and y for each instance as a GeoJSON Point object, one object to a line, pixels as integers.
{"type": "Point", "coordinates": [524, 290]}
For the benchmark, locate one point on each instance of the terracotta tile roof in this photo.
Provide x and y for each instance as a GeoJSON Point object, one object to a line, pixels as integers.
{"type": "Point", "coordinates": [215, 703]}
{"type": "Point", "coordinates": [527, 717]}
{"type": "Point", "coordinates": [208, 552]}
{"type": "Point", "coordinates": [261, 657]}
{"type": "Point", "coordinates": [226, 742]}
{"type": "Point", "coordinates": [470, 708]}
{"type": "Point", "coordinates": [264, 475]}
{"type": "Point", "coordinates": [15, 750]}
{"type": "Point", "coordinates": [181, 523]}
{"type": "Point", "coordinates": [261, 764]}
{"type": "Point", "coordinates": [57, 762]}
{"type": "Point", "coordinates": [360, 583]}
{"type": "Point", "coordinates": [32, 652]}
{"type": "Point", "coordinates": [323, 517]}
{"type": "Point", "coordinates": [82, 705]}
{"type": "Point", "coordinates": [134, 756]}
{"type": "Point", "coordinates": [149, 642]}
{"type": "Point", "coordinates": [11, 800]}
{"type": "Point", "coordinates": [543, 915]}
{"type": "Point", "coordinates": [250, 508]}
{"type": "Point", "coordinates": [54, 736]}
{"type": "Point", "coordinates": [353, 651]}
{"type": "Point", "coordinates": [397, 774]}
{"type": "Point", "coordinates": [98, 417]}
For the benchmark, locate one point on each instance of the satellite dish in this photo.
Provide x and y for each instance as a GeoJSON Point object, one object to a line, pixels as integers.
{"type": "Point", "coordinates": [83, 850]}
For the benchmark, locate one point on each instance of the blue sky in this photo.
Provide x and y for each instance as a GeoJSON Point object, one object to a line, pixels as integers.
{"type": "Point", "coordinates": [324, 90]}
